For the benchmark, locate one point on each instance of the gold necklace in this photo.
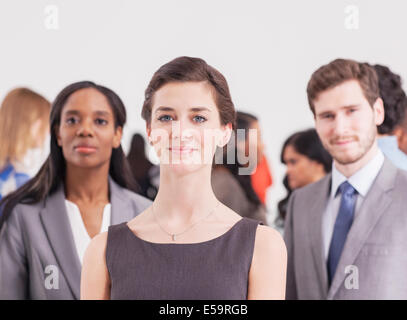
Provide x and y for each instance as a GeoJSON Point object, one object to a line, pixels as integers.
{"type": "Point", "coordinates": [174, 235]}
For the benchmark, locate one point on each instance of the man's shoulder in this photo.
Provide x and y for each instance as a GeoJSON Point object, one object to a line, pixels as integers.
{"type": "Point", "coordinates": [392, 176]}
{"type": "Point", "coordinates": [317, 188]}
{"type": "Point", "coordinates": [401, 178]}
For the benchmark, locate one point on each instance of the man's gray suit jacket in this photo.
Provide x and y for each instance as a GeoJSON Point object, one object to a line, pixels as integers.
{"type": "Point", "coordinates": [373, 264]}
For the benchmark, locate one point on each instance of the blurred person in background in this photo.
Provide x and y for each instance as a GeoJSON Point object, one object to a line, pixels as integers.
{"type": "Point", "coordinates": [236, 190]}
{"type": "Point", "coordinates": [306, 160]}
{"type": "Point", "coordinates": [23, 130]}
{"type": "Point", "coordinates": [401, 133]}
{"type": "Point", "coordinates": [395, 106]}
{"type": "Point", "coordinates": [261, 178]}
{"type": "Point", "coordinates": [144, 171]}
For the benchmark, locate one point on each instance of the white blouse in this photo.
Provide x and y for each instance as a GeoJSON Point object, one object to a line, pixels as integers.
{"type": "Point", "coordinates": [80, 235]}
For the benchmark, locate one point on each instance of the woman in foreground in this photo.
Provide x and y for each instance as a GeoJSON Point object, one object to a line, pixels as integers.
{"type": "Point", "coordinates": [187, 245]}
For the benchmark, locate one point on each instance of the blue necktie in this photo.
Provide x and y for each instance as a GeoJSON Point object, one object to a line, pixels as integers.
{"type": "Point", "coordinates": [342, 225]}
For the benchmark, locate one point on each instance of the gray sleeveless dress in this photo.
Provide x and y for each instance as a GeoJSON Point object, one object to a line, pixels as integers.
{"type": "Point", "coordinates": [216, 269]}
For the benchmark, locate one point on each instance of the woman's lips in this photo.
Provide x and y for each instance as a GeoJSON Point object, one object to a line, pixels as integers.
{"type": "Point", "coordinates": [85, 149]}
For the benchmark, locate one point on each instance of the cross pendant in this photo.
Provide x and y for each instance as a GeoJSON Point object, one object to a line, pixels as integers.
{"type": "Point", "coordinates": [173, 237]}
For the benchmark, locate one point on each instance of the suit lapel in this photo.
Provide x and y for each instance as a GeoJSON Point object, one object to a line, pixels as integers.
{"type": "Point", "coordinates": [373, 207]}
{"type": "Point", "coordinates": [56, 224]}
{"type": "Point", "coordinates": [121, 204]}
{"type": "Point", "coordinates": [319, 202]}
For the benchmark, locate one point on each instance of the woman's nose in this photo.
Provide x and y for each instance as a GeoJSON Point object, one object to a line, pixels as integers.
{"type": "Point", "coordinates": [85, 129]}
{"type": "Point", "coordinates": [181, 130]}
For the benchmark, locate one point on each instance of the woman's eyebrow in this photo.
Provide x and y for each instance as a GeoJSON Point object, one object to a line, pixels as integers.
{"type": "Point", "coordinates": [72, 112]}
{"type": "Point", "coordinates": [102, 113]}
{"type": "Point", "coordinates": [198, 109]}
{"type": "Point", "coordinates": [97, 112]}
{"type": "Point", "coordinates": [193, 109]}
{"type": "Point", "coordinates": [163, 108]}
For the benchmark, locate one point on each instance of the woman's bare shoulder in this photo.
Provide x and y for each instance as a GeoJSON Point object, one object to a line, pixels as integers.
{"type": "Point", "coordinates": [268, 269]}
{"type": "Point", "coordinates": [268, 240]}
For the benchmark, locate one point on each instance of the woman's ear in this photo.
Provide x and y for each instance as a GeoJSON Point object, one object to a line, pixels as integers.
{"type": "Point", "coordinates": [148, 130]}
{"type": "Point", "coordinates": [224, 138]}
{"type": "Point", "coordinates": [117, 137]}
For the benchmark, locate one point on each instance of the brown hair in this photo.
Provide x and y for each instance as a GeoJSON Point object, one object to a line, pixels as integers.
{"type": "Point", "coordinates": [20, 109]}
{"type": "Point", "coordinates": [183, 69]}
{"type": "Point", "coordinates": [339, 71]}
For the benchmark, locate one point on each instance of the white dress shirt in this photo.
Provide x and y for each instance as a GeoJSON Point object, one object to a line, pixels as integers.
{"type": "Point", "coordinates": [361, 181]}
{"type": "Point", "coordinates": [80, 235]}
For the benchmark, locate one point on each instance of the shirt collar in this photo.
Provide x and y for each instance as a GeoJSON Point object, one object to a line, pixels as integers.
{"type": "Point", "coordinates": [361, 180]}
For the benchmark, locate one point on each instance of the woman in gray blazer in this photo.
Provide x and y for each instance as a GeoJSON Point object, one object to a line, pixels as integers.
{"type": "Point", "coordinates": [84, 185]}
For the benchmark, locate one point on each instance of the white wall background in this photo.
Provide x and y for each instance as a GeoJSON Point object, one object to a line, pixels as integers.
{"type": "Point", "coordinates": [266, 49]}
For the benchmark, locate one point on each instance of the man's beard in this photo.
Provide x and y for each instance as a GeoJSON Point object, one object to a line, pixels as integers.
{"type": "Point", "coordinates": [364, 146]}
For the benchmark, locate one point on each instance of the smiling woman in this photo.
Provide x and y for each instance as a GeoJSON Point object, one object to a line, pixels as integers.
{"type": "Point", "coordinates": [191, 246]}
{"type": "Point", "coordinates": [83, 187]}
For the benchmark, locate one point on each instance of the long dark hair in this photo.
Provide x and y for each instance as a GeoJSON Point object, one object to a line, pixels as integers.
{"type": "Point", "coordinates": [308, 144]}
{"type": "Point", "coordinates": [243, 121]}
{"type": "Point", "coordinates": [52, 172]}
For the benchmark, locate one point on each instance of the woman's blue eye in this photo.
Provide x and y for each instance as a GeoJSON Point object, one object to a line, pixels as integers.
{"type": "Point", "coordinates": [165, 118]}
{"type": "Point", "coordinates": [199, 119]}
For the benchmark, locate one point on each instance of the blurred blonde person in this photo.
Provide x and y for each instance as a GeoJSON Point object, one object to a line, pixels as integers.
{"type": "Point", "coordinates": [23, 131]}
